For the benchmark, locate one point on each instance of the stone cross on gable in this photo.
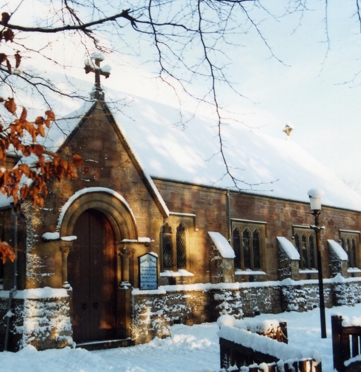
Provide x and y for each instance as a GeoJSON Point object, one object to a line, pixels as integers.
{"type": "Point", "coordinates": [91, 66]}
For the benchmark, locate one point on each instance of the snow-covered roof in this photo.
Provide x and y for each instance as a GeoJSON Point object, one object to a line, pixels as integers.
{"type": "Point", "coordinates": [265, 165]}
{"type": "Point", "coordinates": [222, 244]}
{"type": "Point", "coordinates": [289, 248]}
{"type": "Point", "coordinates": [337, 248]}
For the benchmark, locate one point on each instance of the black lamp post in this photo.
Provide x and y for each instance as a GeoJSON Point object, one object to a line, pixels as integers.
{"type": "Point", "coordinates": [315, 202]}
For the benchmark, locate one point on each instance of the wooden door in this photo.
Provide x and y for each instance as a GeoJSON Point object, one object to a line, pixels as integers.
{"type": "Point", "coordinates": [92, 275]}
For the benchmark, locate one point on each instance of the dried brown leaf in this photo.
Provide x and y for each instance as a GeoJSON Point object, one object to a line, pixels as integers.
{"type": "Point", "coordinates": [10, 105]}
{"type": "Point", "coordinates": [41, 130]}
{"type": "Point", "coordinates": [38, 150]}
{"type": "Point", "coordinates": [17, 59]}
{"type": "Point", "coordinates": [24, 191]}
{"type": "Point", "coordinates": [26, 150]}
{"type": "Point", "coordinates": [7, 252]}
{"type": "Point", "coordinates": [5, 18]}
{"type": "Point", "coordinates": [8, 65]}
{"type": "Point", "coordinates": [24, 114]}
{"type": "Point", "coordinates": [25, 169]}
{"type": "Point", "coordinates": [77, 160]}
{"type": "Point", "coordinates": [16, 143]}
{"type": "Point", "coordinates": [39, 120]}
{"type": "Point", "coordinates": [3, 58]}
{"type": "Point", "coordinates": [50, 115]}
{"type": "Point", "coordinates": [8, 35]}
{"type": "Point", "coordinates": [2, 155]}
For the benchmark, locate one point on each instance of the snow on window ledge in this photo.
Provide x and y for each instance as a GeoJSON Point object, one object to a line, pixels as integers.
{"type": "Point", "coordinates": [176, 273]}
{"type": "Point", "coordinates": [69, 238]}
{"type": "Point", "coordinates": [353, 270]}
{"type": "Point", "coordinates": [249, 272]}
{"type": "Point", "coordinates": [308, 271]}
{"type": "Point", "coordinates": [159, 291]}
{"type": "Point", "coordinates": [48, 236]}
{"type": "Point", "coordinates": [139, 240]}
{"type": "Point", "coordinates": [51, 236]}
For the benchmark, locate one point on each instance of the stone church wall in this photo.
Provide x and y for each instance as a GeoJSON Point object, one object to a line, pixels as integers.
{"type": "Point", "coordinates": [41, 322]}
{"type": "Point", "coordinates": [280, 217]}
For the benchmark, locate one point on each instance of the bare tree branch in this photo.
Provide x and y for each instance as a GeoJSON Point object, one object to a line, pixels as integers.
{"type": "Point", "coordinates": [184, 39]}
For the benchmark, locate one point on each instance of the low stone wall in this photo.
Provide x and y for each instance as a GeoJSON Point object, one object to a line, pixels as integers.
{"type": "Point", "coordinates": [41, 322]}
{"type": "Point", "coordinates": [155, 311]}
{"type": "Point", "coordinates": [44, 321]}
{"type": "Point", "coordinates": [304, 297]}
{"type": "Point", "coordinates": [244, 300]}
{"type": "Point", "coordinates": [338, 291]}
{"type": "Point", "coordinates": [346, 291]}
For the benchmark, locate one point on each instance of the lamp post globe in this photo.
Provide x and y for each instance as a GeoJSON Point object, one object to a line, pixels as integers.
{"type": "Point", "coordinates": [315, 196]}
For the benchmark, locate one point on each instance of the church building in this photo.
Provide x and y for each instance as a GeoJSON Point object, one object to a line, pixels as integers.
{"type": "Point", "coordinates": [156, 232]}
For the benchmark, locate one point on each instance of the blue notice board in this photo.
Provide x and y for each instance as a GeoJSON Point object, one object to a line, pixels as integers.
{"type": "Point", "coordinates": [148, 271]}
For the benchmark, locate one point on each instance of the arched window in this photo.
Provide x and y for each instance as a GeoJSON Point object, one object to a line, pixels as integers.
{"type": "Point", "coordinates": [256, 250]}
{"type": "Point", "coordinates": [237, 248]}
{"type": "Point", "coordinates": [305, 243]}
{"type": "Point", "coordinates": [353, 253]}
{"type": "Point", "coordinates": [348, 251]}
{"type": "Point", "coordinates": [349, 245]}
{"type": "Point", "coordinates": [167, 247]}
{"type": "Point", "coordinates": [304, 252]}
{"type": "Point", "coordinates": [174, 247]}
{"type": "Point", "coordinates": [313, 256]}
{"type": "Point", "coordinates": [349, 239]}
{"type": "Point", "coordinates": [246, 245]}
{"type": "Point", "coordinates": [181, 247]}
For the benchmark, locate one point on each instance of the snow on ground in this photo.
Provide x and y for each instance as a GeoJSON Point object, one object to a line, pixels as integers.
{"type": "Point", "coordinates": [190, 349]}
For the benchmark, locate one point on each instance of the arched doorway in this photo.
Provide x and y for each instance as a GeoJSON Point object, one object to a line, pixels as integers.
{"type": "Point", "coordinates": [92, 275]}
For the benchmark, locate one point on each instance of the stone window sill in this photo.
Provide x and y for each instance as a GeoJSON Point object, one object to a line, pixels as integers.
{"type": "Point", "coordinates": [308, 271]}
{"type": "Point", "coordinates": [249, 272]}
{"type": "Point", "coordinates": [176, 273]}
{"type": "Point", "coordinates": [353, 270]}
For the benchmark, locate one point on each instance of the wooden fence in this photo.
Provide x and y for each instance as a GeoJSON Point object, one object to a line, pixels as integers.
{"type": "Point", "coordinates": [346, 343]}
{"type": "Point", "coordinates": [235, 356]}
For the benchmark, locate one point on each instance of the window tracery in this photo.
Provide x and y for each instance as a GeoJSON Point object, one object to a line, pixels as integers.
{"type": "Point", "coordinates": [349, 241]}
{"type": "Point", "coordinates": [247, 243]}
{"type": "Point", "coordinates": [305, 243]}
{"type": "Point", "coordinates": [174, 247]}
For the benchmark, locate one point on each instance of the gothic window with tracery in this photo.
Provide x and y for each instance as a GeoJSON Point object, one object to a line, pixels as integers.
{"type": "Point", "coordinates": [181, 247]}
{"type": "Point", "coordinates": [305, 243]}
{"type": "Point", "coordinates": [350, 241]}
{"type": "Point", "coordinates": [174, 247]}
{"type": "Point", "coordinates": [247, 247]}
{"type": "Point", "coordinates": [167, 247]}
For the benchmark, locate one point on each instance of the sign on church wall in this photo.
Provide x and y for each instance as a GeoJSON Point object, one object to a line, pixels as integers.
{"type": "Point", "coordinates": [148, 271]}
